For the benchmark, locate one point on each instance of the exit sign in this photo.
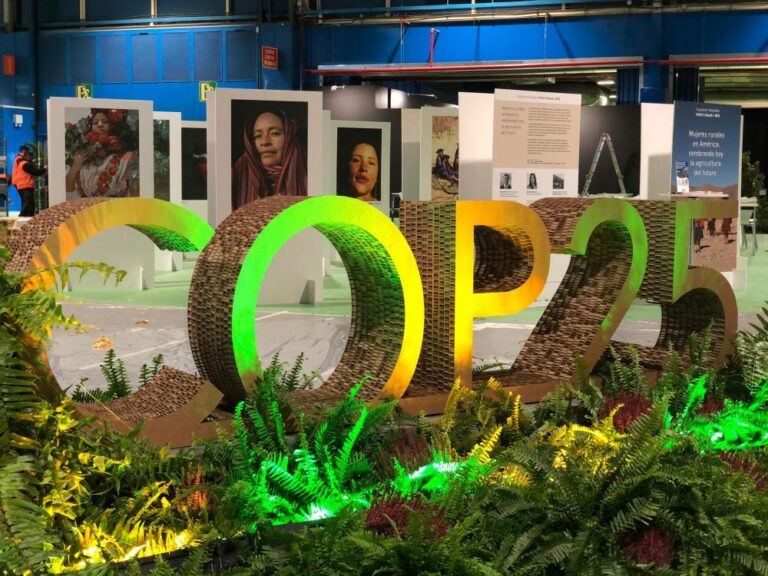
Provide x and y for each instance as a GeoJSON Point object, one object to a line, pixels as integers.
{"type": "Point", "coordinates": [206, 87]}
{"type": "Point", "coordinates": [84, 90]}
{"type": "Point", "coordinates": [269, 57]}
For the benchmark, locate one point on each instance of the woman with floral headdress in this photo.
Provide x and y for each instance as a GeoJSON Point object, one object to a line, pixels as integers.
{"type": "Point", "coordinates": [107, 163]}
{"type": "Point", "coordinates": [273, 163]}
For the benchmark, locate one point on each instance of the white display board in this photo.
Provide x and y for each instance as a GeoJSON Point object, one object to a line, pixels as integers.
{"type": "Point", "coordinates": [167, 184]}
{"type": "Point", "coordinates": [535, 145]}
{"type": "Point", "coordinates": [439, 136]}
{"type": "Point", "coordinates": [476, 144]}
{"type": "Point", "coordinates": [411, 150]}
{"type": "Point", "coordinates": [476, 128]}
{"type": "Point", "coordinates": [173, 120]}
{"type": "Point", "coordinates": [120, 165]}
{"type": "Point", "coordinates": [656, 126]}
{"type": "Point", "coordinates": [233, 159]}
{"type": "Point", "coordinates": [235, 133]}
{"type": "Point", "coordinates": [118, 160]}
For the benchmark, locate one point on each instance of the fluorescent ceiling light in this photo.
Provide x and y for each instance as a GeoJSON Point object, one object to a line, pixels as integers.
{"type": "Point", "coordinates": [606, 82]}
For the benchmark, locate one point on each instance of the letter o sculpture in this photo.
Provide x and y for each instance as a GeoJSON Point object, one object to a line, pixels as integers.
{"type": "Point", "coordinates": [50, 238]}
{"type": "Point", "coordinates": [387, 321]}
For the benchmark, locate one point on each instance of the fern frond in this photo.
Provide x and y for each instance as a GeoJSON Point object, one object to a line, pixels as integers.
{"type": "Point", "coordinates": [25, 542]}
{"type": "Point", "coordinates": [343, 458]}
{"type": "Point", "coordinates": [481, 453]}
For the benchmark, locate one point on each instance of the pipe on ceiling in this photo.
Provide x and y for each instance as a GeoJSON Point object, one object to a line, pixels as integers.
{"type": "Point", "coordinates": [501, 67]}
{"type": "Point", "coordinates": [422, 69]}
{"type": "Point", "coordinates": [323, 19]}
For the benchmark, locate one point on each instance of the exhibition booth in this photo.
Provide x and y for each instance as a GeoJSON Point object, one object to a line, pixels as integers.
{"type": "Point", "coordinates": [513, 204]}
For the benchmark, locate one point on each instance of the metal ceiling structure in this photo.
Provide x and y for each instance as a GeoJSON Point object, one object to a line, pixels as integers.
{"type": "Point", "coordinates": [731, 78]}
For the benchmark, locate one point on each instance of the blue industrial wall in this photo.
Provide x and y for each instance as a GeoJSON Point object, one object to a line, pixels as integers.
{"type": "Point", "coordinates": [653, 36]}
{"type": "Point", "coordinates": [163, 64]}
{"type": "Point", "coordinates": [18, 90]}
{"type": "Point", "coordinates": [166, 64]}
{"type": "Point", "coordinates": [53, 12]}
{"type": "Point", "coordinates": [469, 41]}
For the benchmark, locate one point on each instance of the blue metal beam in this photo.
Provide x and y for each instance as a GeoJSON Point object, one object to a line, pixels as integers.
{"type": "Point", "coordinates": [451, 7]}
{"type": "Point", "coordinates": [150, 21]}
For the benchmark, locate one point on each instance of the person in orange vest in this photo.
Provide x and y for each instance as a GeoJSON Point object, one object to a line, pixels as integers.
{"type": "Point", "coordinates": [23, 177]}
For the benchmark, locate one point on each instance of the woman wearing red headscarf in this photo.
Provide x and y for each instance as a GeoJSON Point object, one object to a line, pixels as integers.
{"type": "Point", "coordinates": [273, 163]}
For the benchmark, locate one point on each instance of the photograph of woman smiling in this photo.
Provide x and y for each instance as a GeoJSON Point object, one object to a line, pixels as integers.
{"type": "Point", "coordinates": [358, 171]}
{"type": "Point", "coordinates": [274, 155]}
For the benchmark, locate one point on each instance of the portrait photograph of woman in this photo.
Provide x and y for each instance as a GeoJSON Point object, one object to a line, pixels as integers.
{"type": "Point", "coordinates": [269, 150]}
{"type": "Point", "coordinates": [531, 183]}
{"type": "Point", "coordinates": [101, 152]}
{"type": "Point", "coordinates": [359, 166]}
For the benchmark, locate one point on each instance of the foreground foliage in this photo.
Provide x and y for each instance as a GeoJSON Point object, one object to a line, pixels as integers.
{"type": "Point", "coordinates": [610, 477]}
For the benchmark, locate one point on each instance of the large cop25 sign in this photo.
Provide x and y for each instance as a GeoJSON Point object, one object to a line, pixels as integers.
{"type": "Point", "coordinates": [416, 293]}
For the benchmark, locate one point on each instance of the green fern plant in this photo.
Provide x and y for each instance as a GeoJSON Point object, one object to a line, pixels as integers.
{"type": "Point", "coordinates": [579, 498]}
{"type": "Point", "coordinates": [26, 541]}
{"type": "Point", "coordinates": [626, 376]}
{"type": "Point", "coordinates": [578, 401]}
{"type": "Point", "coordinates": [286, 380]}
{"type": "Point", "coordinates": [147, 373]}
{"type": "Point", "coordinates": [118, 384]}
{"type": "Point", "coordinates": [113, 369]}
{"type": "Point", "coordinates": [326, 468]}
{"type": "Point", "coordinates": [487, 368]}
{"type": "Point", "coordinates": [748, 367]}
{"type": "Point", "coordinates": [471, 415]}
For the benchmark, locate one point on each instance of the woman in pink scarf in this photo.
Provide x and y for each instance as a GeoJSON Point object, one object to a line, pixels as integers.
{"type": "Point", "coordinates": [273, 163]}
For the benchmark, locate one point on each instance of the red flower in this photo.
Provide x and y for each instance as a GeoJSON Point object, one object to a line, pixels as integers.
{"type": "Point", "coordinates": [711, 405]}
{"type": "Point", "coordinates": [409, 448]}
{"type": "Point", "coordinates": [199, 498]}
{"type": "Point", "coordinates": [107, 144]}
{"type": "Point", "coordinates": [653, 545]}
{"type": "Point", "coordinates": [115, 116]}
{"type": "Point", "coordinates": [390, 516]}
{"type": "Point", "coordinates": [106, 176]}
{"type": "Point", "coordinates": [633, 406]}
{"type": "Point", "coordinates": [749, 468]}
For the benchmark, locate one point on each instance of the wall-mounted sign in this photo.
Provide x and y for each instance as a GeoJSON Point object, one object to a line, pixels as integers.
{"type": "Point", "coordinates": [705, 149]}
{"type": "Point", "coordinates": [269, 57]}
{"type": "Point", "coordinates": [205, 87]}
{"type": "Point", "coordinates": [706, 161]}
{"type": "Point", "coordinates": [535, 145]}
{"type": "Point", "coordinates": [9, 65]}
{"type": "Point", "coordinates": [84, 91]}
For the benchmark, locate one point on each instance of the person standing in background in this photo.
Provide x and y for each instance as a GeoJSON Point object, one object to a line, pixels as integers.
{"type": "Point", "coordinates": [23, 177]}
{"type": "Point", "coordinates": [712, 227]}
{"type": "Point", "coordinates": [725, 228]}
{"type": "Point", "coordinates": [698, 233]}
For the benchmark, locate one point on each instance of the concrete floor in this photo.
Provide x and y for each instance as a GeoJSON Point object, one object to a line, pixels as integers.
{"type": "Point", "coordinates": [142, 324]}
{"type": "Point", "coordinates": [140, 333]}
